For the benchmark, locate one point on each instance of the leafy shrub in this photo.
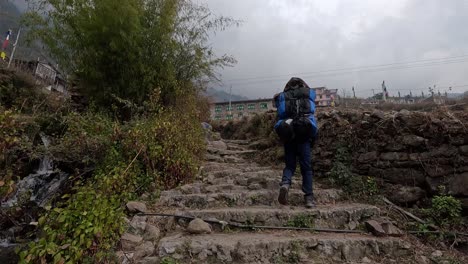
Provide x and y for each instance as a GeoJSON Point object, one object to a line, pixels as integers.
{"type": "Point", "coordinates": [445, 211]}
{"type": "Point", "coordinates": [16, 149]}
{"type": "Point", "coordinates": [170, 145]}
{"type": "Point", "coordinates": [85, 140]}
{"type": "Point", "coordinates": [354, 185]}
{"type": "Point", "coordinates": [83, 227]}
{"type": "Point", "coordinates": [164, 149]}
{"type": "Point", "coordinates": [303, 220]}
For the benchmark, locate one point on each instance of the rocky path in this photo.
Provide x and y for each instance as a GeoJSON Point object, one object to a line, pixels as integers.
{"type": "Point", "coordinates": [233, 189]}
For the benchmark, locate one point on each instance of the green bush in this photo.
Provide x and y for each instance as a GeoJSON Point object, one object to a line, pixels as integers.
{"type": "Point", "coordinates": [355, 186]}
{"type": "Point", "coordinates": [16, 148]}
{"type": "Point", "coordinates": [161, 150]}
{"type": "Point", "coordinates": [88, 225]}
{"type": "Point", "coordinates": [160, 43]}
{"type": "Point", "coordinates": [85, 140]}
{"type": "Point", "coordinates": [303, 220]}
{"type": "Point", "coordinates": [445, 211]}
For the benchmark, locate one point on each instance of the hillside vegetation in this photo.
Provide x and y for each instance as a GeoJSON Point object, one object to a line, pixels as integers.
{"type": "Point", "coordinates": [141, 68]}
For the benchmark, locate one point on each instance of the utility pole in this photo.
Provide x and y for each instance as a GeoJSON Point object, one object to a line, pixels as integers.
{"type": "Point", "coordinates": [384, 91]}
{"type": "Point", "coordinates": [230, 94]}
{"type": "Point", "coordinates": [14, 48]}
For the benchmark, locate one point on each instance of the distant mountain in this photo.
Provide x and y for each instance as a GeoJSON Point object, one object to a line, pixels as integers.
{"type": "Point", "coordinates": [454, 95]}
{"type": "Point", "coordinates": [222, 96]}
{"type": "Point", "coordinates": [9, 17]}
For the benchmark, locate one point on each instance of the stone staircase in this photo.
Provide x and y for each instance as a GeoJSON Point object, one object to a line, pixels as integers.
{"type": "Point", "coordinates": [232, 189]}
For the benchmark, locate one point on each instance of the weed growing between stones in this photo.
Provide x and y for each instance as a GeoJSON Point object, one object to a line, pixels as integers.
{"type": "Point", "coordinates": [341, 175]}
{"type": "Point", "coordinates": [445, 214]}
{"type": "Point", "coordinates": [169, 260]}
{"type": "Point", "coordinates": [445, 211]}
{"type": "Point", "coordinates": [288, 256]}
{"type": "Point", "coordinates": [302, 220]}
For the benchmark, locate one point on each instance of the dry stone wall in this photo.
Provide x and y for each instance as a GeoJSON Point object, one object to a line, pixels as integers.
{"type": "Point", "coordinates": [415, 152]}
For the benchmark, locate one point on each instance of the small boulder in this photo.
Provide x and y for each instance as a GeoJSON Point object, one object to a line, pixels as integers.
{"type": "Point", "coordinates": [382, 227]}
{"type": "Point", "coordinates": [458, 184]}
{"type": "Point", "coordinates": [198, 226]}
{"type": "Point", "coordinates": [437, 254]}
{"type": "Point", "coordinates": [152, 233]}
{"type": "Point", "coordinates": [136, 207]}
{"type": "Point", "coordinates": [391, 230]}
{"type": "Point", "coordinates": [378, 114]}
{"type": "Point", "coordinates": [413, 140]}
{"type": "Point", "coordinates": [422, 260]}
{"type": "Point", "coordinates": [375, 228]}
{"type": "Point", "coordinates": [130, 241]}
{"type": "Point", "coordinates": [150, 260]}
{"type": "Point", "coordinates": [138, 223]}
{"type": "Point", "coordinates": [405, 194]}
{"type": "Point", "coordinates": [464, 149]}
{"type": "Point", "coordinates": [219, 144]}
{"type": "Point", "coordinates": [143, 250]}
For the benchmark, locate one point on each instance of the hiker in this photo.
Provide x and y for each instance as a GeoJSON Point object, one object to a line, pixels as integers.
{"type": "Point", "coordinates": [297, 129]}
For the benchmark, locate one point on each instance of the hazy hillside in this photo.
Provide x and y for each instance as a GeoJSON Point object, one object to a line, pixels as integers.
{"type": "Point", "coordinates": [9, 15]}
{"type": "Point", "coordinates": [222, 96]}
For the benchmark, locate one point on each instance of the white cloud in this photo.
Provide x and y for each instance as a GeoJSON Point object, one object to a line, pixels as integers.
{"type": "Point", "coordinates": [283, 37]}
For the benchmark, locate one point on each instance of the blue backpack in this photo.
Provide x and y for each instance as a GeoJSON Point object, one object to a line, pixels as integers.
{"type": "Point", "coordinates": [296, 109]}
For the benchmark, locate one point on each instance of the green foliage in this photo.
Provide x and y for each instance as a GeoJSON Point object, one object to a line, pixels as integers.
{"type": "Point", "coordinates": [85, 140]}
{"type": "Point", "coordinates": [354, 185]}
{"type": "Point", "coordinates": [171, 145]}
{"type": "Point", "coordinates": [371, 187]}
{"type": "Point", "coordinates": [82, 227]}
{"type": "Point", "coordinates": [445, 211]}
{"type": "Point", "coordinates": [17, 90]}
{"type": "Point", "coordinates": [158, 151]}
{"type": "Point", "coordinates": [123, 50]}
{"type": "Point", "coordinates": [16, 148]}
{"type": "Point", "coordinates": [168, 260]}
{"type": "Point", "coordinates": [302, 220]}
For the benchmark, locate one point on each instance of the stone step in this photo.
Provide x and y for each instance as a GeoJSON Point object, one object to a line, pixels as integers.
{"type": "Point", "coordinates": [210, 167]}
{"type": "Point", "coordinates": [237, 147]}
{"type": "Point", "coordinates": [224, 186]}
{"type": "Point", "coordinates": [339, 216]}
{"type": "Point", "coordinates": [239, 199]}
{"type": "Point", "coordinates": [227, 184]}
{"type": "Point", "coordinates": [236, 142]}
{"type": "Point", "coordinates": [281, 247]}
{"type": "Point", "coordinates": [224, 152]}
{"type": "Point", "coordinates": [258, 174]}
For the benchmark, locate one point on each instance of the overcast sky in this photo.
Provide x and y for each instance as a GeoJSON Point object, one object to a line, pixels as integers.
{"type": "Point", "coordinates": [281, 38]}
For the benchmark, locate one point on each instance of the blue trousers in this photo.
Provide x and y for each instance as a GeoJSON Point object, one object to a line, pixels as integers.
{"type": "Point", "coordinates": [302, 151]}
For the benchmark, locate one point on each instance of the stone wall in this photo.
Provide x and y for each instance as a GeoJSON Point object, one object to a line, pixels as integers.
{"type": "Point", "coordinates": [414, 152]}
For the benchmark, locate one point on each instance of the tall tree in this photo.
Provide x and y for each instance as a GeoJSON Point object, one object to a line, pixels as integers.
{"type": "Point", "coordinates": [124, 49]}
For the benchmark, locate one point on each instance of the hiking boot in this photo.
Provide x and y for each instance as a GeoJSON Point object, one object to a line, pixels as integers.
{"type": "Point", "coordinates": [283, 194]}
{"type": "Point", "coordinates": [309, 201]}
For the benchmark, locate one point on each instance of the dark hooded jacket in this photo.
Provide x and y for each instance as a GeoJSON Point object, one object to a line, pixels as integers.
{"type": "Point", "coordinates": [296, 102]}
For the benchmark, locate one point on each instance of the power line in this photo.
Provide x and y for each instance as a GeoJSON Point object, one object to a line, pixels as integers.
{"type": "Point", "coordinates": [352, 68]}
{"type": "Point", "coordinates": [421, 65]}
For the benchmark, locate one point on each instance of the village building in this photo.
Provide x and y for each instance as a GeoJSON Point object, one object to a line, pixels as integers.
{"type": "Point", "coordinates": [44, 73]}
{"type": "Point", "coordinates": [236, 110]}
{"type": "Point", "coordinates": [325, 97]}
